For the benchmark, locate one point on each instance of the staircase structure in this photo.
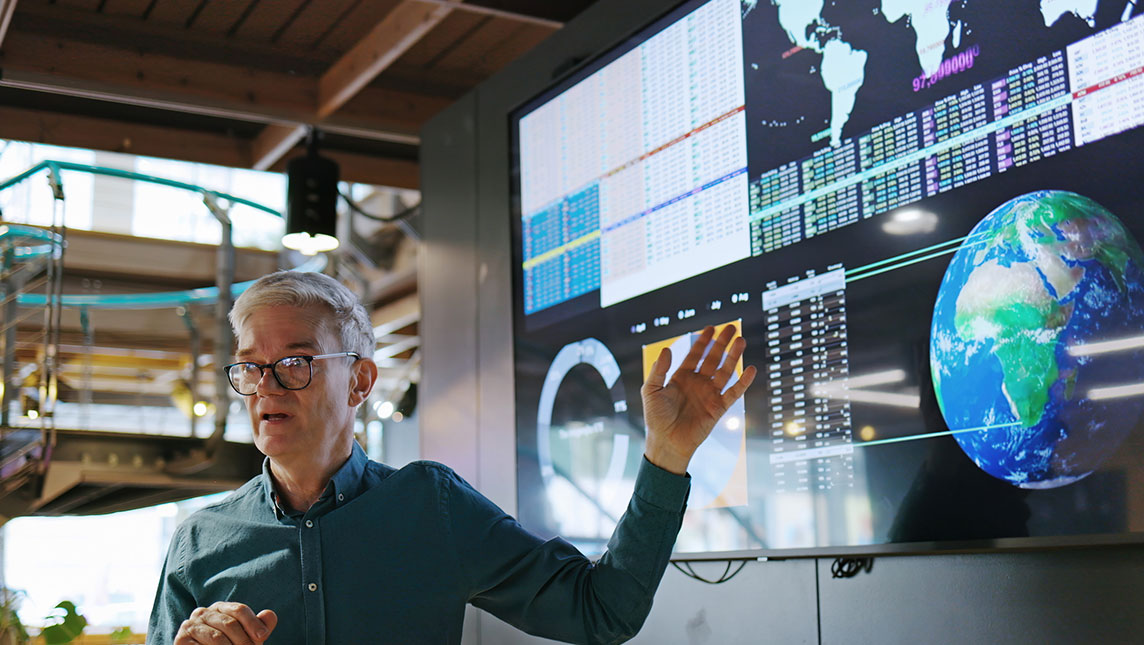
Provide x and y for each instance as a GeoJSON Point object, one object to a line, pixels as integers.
{"type": "Point", "coordinates": [31, 264]}
{"type": "Point", "coordinates": [46, 470]}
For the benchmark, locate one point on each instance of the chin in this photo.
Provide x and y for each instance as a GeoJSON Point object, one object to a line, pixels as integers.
{"type": "Point", "coordinates": [273, 446]}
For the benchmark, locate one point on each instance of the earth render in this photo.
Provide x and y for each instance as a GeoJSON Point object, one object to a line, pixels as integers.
{"type": "Point", "coordinates": [1019, 344]}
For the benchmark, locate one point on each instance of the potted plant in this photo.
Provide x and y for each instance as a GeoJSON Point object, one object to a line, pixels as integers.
{"type": "Point", "coordinates": [12, 631]}
{"type": "Point", "coordinates": [67, 627]}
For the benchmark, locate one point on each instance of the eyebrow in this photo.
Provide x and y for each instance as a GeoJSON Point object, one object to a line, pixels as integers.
{"type": "Point", "coordinates": [310, 345]}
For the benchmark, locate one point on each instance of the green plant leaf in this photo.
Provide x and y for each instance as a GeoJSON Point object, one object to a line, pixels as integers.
{"type": "Point", "coordinates": [10, 624]}
{"type": "Point", "coordinates": [69, 627]}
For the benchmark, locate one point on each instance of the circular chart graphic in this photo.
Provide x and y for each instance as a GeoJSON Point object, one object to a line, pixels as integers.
{"type": "Point", "coordinates": [588, 451]}
{"type": "Point", "coordinates": [1037, 340]}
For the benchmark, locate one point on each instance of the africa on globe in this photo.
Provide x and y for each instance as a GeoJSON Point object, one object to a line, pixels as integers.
{"type": "Point", "coordinates": [1022, 352]}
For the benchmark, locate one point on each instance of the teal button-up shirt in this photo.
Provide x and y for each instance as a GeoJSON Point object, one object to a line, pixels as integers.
{"type": "Point", "coordinates": [393, 556]}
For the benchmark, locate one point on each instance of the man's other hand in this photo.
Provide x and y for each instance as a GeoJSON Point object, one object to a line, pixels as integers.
{"type": "Point", "coordinates": [226, 623]}
{"type": "Point", "coordinates": [680, 414]}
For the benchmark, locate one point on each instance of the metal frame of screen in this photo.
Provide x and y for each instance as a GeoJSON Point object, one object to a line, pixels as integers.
{"type": "Point", "coordinates": [615, 390]}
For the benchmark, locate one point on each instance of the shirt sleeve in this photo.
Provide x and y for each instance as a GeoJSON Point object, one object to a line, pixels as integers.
{"type": "Point", "coordinates": [548, 588]}
{"type": "Point", "coordinates": [174, 601]}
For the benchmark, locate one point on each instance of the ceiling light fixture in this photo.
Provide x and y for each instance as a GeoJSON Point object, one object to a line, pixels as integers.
{"type": "Point", "coordinates": [311, 201]}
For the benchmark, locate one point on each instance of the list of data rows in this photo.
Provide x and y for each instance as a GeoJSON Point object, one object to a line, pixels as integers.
{"type": "Point", "coordinates": [808, 365]}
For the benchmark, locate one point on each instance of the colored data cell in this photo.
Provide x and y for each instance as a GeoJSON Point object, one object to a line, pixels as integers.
{"type": "Point", "coordinates": [781, 229]}
{"type": "Point", "coordinates": [832, 211]}
{"type": "Point", "coordinates": [562, 250]}
{"type": "Point", "coordinates": [776, 186]}
{"type": "Point", "coordinates": [829, 165]}
{"type": "Point", "coordinates": [892, 189]}
{"type": "Point", "coordinates": [889, 141]}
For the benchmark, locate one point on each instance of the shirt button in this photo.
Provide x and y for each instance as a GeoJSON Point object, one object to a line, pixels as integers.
{"type": "Point", "coordinates": [341, 497]}
{"type": "Point", "coordinates": [312, 586]}
{"type": "Point", "coordinates": [309, 524]}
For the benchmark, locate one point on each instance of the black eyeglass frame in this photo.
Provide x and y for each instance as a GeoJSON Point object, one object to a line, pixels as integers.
{"type": "Point", "coordinates": [274, 370]}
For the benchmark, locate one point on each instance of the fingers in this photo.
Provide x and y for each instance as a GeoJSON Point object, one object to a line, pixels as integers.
{"type": "Point", "coordinates": [240, 620]}
{"type": "Point", "coordinates": [723, 376]}
{"type": "Point", "coordinates": [197, 633]}
{"type": "Point", "coordinates": [719, 363]}
{"type": "Point", "coordinates": [715, 354]}
{"type": "Point", "coordinates": [658, 373]}
{"type": "Point", "coordinates": [226, 623]}
{"type": "Point", "coordinates": [735, 391]}
{"type": "Point", "coordinates": [692, 359]}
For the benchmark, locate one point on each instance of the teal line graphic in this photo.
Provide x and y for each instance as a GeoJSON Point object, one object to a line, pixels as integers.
{"type": "Point", "coordinates": [930, 435]}
{"type": "Point", "coordinates": [914, 157]}
{"type": "Point", "coordinates": [905, 256]}
{"type": "Point", "coordinates": [907, 259]}
{"type": "Point", "coordinates": [902, 265]}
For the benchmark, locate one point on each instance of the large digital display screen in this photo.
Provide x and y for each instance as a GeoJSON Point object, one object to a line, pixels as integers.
{"type": "Point", "coordinates": [925, 218]}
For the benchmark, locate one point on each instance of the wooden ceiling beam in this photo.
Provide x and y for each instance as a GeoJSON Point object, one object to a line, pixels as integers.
{"type": "Point", "coordinates": [117, 136]}
{"type": "Point", "coordinates": [152, 79]}
{"type": "Point", "coordinates": [401, 28]}
{"type": "Point", "coordinates": [7, 8]}
{"type": "Point", "coordinates": [148, 79]}
{"type": "Point", "coordinates": [274, 142]}
{"type": "Point", "coordinates": [54, 19]}
{"type": "Point", "coordinates": [395, 173]}
{"type": "Point", "coordinates": [497, 13]}
{"type": "Point", "coordinates": [385, 43]}
{"type": "Point", "coordinates": [185, 145]}
{"type": "Point", "coordinates": [355, 118]}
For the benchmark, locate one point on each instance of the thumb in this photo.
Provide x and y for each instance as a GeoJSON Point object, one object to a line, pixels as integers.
{"type": "Point", "coordinates": [268, 618]}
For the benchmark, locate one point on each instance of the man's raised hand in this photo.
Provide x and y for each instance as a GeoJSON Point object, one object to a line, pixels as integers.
{"type": "Point", "coordinates": [680, 414]}
{"type": "Point", "coordinates": [226, 623]}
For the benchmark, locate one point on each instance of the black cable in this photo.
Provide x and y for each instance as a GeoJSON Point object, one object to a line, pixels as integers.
{"type": "Point", "coordinates": [690, 573]}
{"type": "Point", "coordinates": [408, 212]}
{"type": "Point", "coordinates": [850, 567]}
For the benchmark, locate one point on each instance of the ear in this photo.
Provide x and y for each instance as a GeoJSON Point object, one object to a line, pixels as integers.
{"type": "Point", "coordinates": [362, 378]}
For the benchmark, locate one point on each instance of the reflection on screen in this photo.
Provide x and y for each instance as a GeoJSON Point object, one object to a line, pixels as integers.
{"type": "Point", "coordinates": [924, 217]}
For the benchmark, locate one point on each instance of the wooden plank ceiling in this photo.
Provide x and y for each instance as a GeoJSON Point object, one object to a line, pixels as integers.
{"type": "Point", "coordinates": [236, 82]}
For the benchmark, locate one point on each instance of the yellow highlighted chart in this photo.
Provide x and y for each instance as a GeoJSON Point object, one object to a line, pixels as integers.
{"type": "Point", "coordinates": [719, 468]}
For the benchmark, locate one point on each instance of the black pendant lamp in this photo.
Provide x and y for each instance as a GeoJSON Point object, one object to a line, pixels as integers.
{"type": "Point", "coordinates": [311, 201]}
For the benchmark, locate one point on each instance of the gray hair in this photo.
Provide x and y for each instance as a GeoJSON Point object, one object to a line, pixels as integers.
{"type": "Point", "coordinates": [350, 321]}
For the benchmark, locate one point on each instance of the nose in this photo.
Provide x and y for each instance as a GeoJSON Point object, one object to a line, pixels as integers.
{"type": "Point", "coordinates": [268, 384]}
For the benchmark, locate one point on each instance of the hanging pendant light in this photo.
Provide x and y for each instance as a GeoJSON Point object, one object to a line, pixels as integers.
{"type": "Point", "coordinates": [311, 201]}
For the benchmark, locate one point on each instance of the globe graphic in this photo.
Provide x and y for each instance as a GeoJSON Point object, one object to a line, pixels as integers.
{"type": "Point", "coordinates": [1037, 341]}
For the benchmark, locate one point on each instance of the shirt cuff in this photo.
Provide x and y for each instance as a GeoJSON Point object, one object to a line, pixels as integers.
{"type": "Point", "coordinates": [662, 488]}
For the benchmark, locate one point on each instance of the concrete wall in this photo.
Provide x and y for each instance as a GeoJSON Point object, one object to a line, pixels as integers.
{"type": "Point", "coordinates": [466, 421]}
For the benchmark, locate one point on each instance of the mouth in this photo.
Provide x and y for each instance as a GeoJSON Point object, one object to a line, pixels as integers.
{"type": "Point", "coordinates": [273, 417]}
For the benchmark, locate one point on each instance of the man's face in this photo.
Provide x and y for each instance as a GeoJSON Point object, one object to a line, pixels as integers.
{"type": "Point", "coordinates": [297, 426]}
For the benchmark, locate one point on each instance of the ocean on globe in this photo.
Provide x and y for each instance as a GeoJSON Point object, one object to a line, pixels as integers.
{"type": "Point", "coordinates": [1035, 345]}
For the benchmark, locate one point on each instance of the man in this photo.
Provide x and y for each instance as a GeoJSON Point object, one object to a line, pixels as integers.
{"type": "Point", "coordinates": [326, 546]}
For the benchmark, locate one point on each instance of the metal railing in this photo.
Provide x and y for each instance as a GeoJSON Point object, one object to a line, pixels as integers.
{"type": "Point", "coordinates": [32, 271]}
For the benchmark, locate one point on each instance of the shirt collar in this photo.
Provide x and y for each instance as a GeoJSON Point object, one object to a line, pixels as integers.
{"type": "Point", "coordinates": [341, 489]}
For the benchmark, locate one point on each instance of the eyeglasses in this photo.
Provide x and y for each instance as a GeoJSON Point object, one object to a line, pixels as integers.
{"type": "Point", "coordinates": [291, 372]}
